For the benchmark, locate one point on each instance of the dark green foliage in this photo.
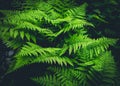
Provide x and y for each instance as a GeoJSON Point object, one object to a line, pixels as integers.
{"type": "Point", "coordinates": [55, 33]}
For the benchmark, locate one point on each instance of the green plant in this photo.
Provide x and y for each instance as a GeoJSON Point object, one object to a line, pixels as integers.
{"type": "Point", "coordinates": [56, 34]}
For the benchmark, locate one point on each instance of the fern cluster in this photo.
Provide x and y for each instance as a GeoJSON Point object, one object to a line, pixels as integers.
{"type": "Point", "coordinates": [56, 34]}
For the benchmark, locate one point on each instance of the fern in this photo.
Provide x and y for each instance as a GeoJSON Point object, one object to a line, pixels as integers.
{"type": "Point", "coordinates": [55, 33]}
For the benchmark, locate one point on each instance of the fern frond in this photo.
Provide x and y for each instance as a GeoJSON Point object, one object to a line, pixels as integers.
{"type": "Point", "coordinates": [77, 23]}
{"type": "Point", "coordinates": [49, 59]}
{"type": "Point", "coordinates": [54, 59]}
{"type": "Point", "coordinates": [79, 12]}
{"type": "Point", "coordinates": [25, 32]}
{"type": "Point", "coordinates": [74, 24]}
{"type": "Point", "coordinates": [32, 49]}
{"type": "Point", "coordinates": [32, 53]}
{"type": "Point", "coordinates": [30, 15]}
{"type": "Point", "coordinates": [94, 47]}
{"type": "Point", "coordinates": [60, 80]}
{"type": "Point", "coordinates": [14, 44]}
{"type": "Point", "coordinates": [100, 45]}
{"type": "Point", "coordinates": [9, 13]}
{"type": "Point", "coordinates": [76, 42]}
{"type": "Point", "coordinates": [47, 80]}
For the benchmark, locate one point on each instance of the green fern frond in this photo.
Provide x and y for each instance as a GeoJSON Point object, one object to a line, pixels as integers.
{"type": "Point", "coordinates": [76, 42]}
{"type": "Point", "coordinates": [25, 27]}
{"type": "Point", "coordinates": [32, 53]}
{"type": "Point", "coordinates": [100, 45]}
{"type": "Point", "coordinates": [79, 12]}
{"type": "Point", "coordinates": [49, 59]}
{"type": "Point", "coordinates": [54, 59]}
{"type": "Point", "coordinates": [14, 44]}
{"type": "Point", "coordinates": [73, 24]}
{"type": "Point", "coordinates": [8, 13]}
{"type": "Point", "coordinates": [94, 47]}
{"type": "Point", "coordinates": [32, 49]}
{"type": "Point", "coordinates": [60, 80]}
{"type": "Point", "coordinates": [47, 80]}
{"type": "Point", "coordinates": [30, 15]}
